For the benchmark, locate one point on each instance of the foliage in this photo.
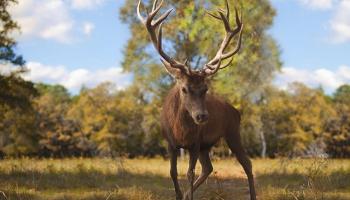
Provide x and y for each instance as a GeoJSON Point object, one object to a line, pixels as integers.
{"type": "Point", "coordinates": [342, 95]}
{"type": "Point", "coordinates": [15, 92]}
{"type": "Point", "coordinates": [6, 42]}
{"type": "Point", "coordinates": [296, 120]}
{"type": "Point", "coordinates": [17, 118]}
{"type": "Point", "coordinates": [112, 120]}
{"type": "Point", "coordinates": [17, 132]}
{"type": "Point", "coordinates": [338, 142]}
{"type": "Point", "coordinates": [58, 92]}
{"type": "Point", "coordinates": [94, 114]}
{"type": "Point", "coordinates": [59, 135]}
{"type": "Point", "coordinates": [17, 129]}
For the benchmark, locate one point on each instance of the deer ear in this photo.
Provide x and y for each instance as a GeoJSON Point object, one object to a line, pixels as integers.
{"type": "Point", "coordinates": [171, 70]}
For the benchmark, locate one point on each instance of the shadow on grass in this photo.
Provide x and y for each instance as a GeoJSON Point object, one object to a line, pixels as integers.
{"type": "Point", "coordinates": [91, 183]}
{"type": "Point", "coordinates": [85, 184]}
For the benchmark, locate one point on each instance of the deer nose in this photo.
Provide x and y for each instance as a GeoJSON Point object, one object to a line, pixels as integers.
{"type": "Point", "coordinates": [202, 118]}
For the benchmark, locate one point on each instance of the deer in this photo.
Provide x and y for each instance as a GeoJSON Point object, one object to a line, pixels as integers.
{"type": "Point", "coordinates": [191, 118]}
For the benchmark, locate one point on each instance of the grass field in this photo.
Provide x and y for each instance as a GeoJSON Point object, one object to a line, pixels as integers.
{"type": "Point", "coordinates": [122, 178]}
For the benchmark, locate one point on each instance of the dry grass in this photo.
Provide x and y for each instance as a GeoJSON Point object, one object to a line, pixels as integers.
{"type": "Point", "coordinates": [314, 178]}
{"type": "Point", "coordinates": [120, 178]}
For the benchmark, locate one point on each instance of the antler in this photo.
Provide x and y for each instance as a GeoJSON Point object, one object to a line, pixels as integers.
{"type": "Point", "coordinates": [151, 26]}
{"type": "Point", "coordinates": [215, 64]}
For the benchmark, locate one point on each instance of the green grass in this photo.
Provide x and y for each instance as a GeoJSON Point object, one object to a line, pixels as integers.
{"type": "Point", "coordinates": [121, 178]}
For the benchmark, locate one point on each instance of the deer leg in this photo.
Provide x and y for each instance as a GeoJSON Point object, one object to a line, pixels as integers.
{"type": "Point", "coordinates": [173, 152]}
{"type": "Point", "coordinates": [194, 153]}
{"type": "Point", "coordinates": [236, 146]}
{"type": "Point", "coordinates": [207, 168]}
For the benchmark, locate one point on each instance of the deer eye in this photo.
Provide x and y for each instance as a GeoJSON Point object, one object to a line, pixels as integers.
{"type": "Point", "coordinates": [184, 90]}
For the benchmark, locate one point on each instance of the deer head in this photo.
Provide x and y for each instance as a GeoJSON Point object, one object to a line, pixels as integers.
{"type": "Point", "coordinates": [191, 83]}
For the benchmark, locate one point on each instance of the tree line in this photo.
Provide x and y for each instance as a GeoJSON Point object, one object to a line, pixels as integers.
{"type": "Point", "coordinates": [102, 121]}
{"type": "Point", "coordinates": [38, 119]}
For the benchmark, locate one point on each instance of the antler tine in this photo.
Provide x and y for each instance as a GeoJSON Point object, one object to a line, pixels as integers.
{"type": "Point", "coordinates": [139, 13]}
{"type": "Point", "coordinates": [221, 10]}
{"type": "Point", "coordinates": [151, 26]}
{"type": "Point", "coordinates": [222, 67]}
{"type": "Point", "coordinates": [209, 70]}
{"type": "Point", "coordinates": [238, 46]}
{"type": "Point", "coordinates": [172, 62]}
{"type": "Point", "coordinates": [211, 14]}
{"type": "Point", "coordinates": [155, 5]}
{"type": "Point", "coordinates": [227, 11]}
{"type": "Point", "coordinates": [151, 15]}
{"type": "Point", "coordinates": [162, 18]}
{"type": "Point", "coordinates": [214, 65]}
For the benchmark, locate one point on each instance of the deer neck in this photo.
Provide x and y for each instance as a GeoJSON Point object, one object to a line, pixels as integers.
{"type": "Point", "coordinates": [186, 131]}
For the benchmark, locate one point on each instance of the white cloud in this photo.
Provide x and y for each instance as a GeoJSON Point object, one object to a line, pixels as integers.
{"type": "Point", "coordinates": [59, 32]}
{"type": "Point", "coordinates": [40, 73]}
{"type": "Point", "coordinates": [73, 80]}
{"type": "Point", "coordinates": [318, 4]}
{"type": "Point", "coordinates": [88, 27]}
{"type": "Point", "coordinates": [329, 80]}
{"type": "Point", "coordinates": [344, 71]}
{"type": "Point", "coordinates": [48, 19]}
{"type": "Point", "coordinates": [340, 23]}
{"type": "Point", "coordinates": [86, 4]}
{"type": "Point", "coordinates": [51, 19]}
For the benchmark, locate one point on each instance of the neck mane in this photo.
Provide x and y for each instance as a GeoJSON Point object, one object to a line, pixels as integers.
{"type": "Point", "coordinates": [186, 131]}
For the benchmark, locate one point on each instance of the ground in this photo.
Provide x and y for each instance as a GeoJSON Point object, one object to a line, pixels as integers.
{"type": "Point", "coordinates": [142, 178]}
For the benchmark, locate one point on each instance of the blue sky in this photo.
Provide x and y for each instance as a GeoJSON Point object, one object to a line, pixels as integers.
{"type": "Point", "coordinates": [314, 36]}
{"type": "Point", "coordinates": [76, 42]}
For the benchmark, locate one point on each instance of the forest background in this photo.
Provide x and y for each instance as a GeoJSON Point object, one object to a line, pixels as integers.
{"type": "Point", "coordinates": [43, 120]}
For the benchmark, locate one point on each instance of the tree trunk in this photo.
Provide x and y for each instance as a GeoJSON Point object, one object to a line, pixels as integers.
{"type": "Point", "coordinates": [263, 143]}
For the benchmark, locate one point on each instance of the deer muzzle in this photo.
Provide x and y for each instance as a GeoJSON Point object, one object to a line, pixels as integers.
{"type": "Point", "coordinates": [200, 118]}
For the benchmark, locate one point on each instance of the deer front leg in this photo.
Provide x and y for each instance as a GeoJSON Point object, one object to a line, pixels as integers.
{"type": "Point", "coordinates": [194, 153]}
{"type": "Point", "coordinates": [207, 168]}
{"type": "Point", "coordinates": [173, 152]}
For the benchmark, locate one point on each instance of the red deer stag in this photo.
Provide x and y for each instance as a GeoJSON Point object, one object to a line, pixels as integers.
{"type": "Point", "coordinates": [191, 118]}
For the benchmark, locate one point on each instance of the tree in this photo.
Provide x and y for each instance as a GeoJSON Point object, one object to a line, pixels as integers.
{"type": "Point", "coordinates": [139, 138]}
{"type": "Point", "coordinates": [59, 136]}
{"type": "Point", "coordinates": [338, 142]}
{"type": "Point", "coordinates": [6, 42]}
{"type": "Point", "coordinates": [14, 91]}
{"type": "Point", "coordinates": [296, 120]}
{"type": "Point", "coordinates": [342, 95]}
{"type": "Point", "coordinates": [58, 92]}
{"type": "Point", "coordinates": [17, 131]}
{"type": "Point", "coordinates": [190, 34]}
{"type": "Point", "coordinates": [92, 114]}
{"type": "Point", "coordinates": [110, 119]}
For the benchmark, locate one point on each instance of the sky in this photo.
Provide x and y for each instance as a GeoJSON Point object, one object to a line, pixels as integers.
{"type": "Point", "coordinates": [80, 42]}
